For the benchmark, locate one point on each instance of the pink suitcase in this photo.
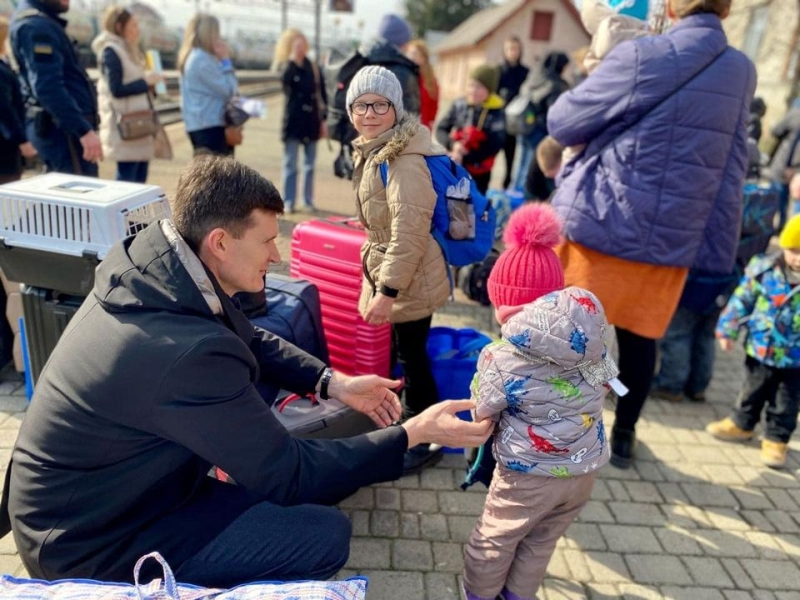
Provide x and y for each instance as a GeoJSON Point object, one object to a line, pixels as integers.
{"type": "Point", "coordinates": [326, 252]}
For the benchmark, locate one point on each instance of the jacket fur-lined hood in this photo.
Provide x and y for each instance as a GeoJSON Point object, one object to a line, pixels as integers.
{"type": "Point", "coordinates": [408, 137]}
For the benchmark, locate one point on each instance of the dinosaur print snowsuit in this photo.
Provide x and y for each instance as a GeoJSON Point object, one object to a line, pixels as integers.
{"type": "Point", "coordinates": [544, 382]}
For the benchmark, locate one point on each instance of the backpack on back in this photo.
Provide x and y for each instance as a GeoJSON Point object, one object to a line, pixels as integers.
{"type": "Point", "coordinates": [761, 203]}
{"type": "Point", "coordinates": [520, 116]}
{"type": "Point", "coordinates": [463, 219]}
{"type": "Point", "coordinates": [337, 78]}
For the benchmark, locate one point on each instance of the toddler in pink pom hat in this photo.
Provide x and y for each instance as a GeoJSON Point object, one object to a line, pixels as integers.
{"type": "Point", "coordinates": [543, 383]}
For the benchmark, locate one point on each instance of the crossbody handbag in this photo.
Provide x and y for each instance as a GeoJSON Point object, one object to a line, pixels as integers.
{"type": "Point", "coordinates": [235, 115]}
{"type": "Point", "coordinates": [138, 124]}
{"type": "Point", "coordinates": [235, 118]}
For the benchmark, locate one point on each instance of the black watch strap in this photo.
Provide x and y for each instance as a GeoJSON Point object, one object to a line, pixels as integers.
{"type": "Point", "coordinates": [323, 383]}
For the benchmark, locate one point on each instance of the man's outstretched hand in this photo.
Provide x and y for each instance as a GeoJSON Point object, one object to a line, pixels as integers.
{"type": "Point", "coordinates": [368, 394]}
{"type": "Point", "coordinates": [438, 424]}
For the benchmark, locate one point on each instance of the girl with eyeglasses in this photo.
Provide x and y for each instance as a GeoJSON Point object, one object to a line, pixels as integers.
{"type": "Point", "coordinates": [405, 275]}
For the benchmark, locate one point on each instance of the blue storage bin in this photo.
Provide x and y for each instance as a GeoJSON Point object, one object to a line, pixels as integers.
{"type": "Point", "coordinates": [454, 357]}
{"type": "Point", "coordinates": [515, 198]}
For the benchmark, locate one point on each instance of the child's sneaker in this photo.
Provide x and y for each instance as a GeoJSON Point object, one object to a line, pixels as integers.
{"type": "Point", "coordinates": [728, 431]}
{"type": "Point", "coordinates": [773, 454]}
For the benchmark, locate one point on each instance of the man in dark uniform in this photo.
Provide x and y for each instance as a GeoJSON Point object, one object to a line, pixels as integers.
{"type": "Point", "coordinates": [61, 102]}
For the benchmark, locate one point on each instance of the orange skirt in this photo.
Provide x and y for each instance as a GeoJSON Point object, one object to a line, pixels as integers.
{"type": "Point", "coordinates": [636, 296]}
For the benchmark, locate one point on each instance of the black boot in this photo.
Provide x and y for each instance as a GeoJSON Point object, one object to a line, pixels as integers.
{"type": "Point", "coordinates": [622, 444]}
{"type": "Point", "coordinates": [420, 457]}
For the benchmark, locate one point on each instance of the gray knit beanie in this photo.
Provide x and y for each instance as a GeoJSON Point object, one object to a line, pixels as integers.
{"type": "Point", "coordinates": [376, 80]}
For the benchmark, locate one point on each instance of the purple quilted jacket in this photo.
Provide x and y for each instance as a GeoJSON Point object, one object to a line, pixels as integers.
{"type": "Point", "coordinates": [660, 180]}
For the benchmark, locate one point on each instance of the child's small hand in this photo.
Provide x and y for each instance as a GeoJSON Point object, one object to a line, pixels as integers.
{"type": "Point", "coordinates": [726, 344]}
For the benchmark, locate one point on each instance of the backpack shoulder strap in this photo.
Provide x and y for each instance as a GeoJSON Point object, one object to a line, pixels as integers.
{"type": "Point", "coordinates": [437, 235]}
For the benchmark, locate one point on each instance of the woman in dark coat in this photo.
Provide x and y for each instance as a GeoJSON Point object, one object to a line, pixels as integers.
{"type": "Point", "coordinates": [14, 143]}
{"type": "Point", "coordinates": [303, 115]}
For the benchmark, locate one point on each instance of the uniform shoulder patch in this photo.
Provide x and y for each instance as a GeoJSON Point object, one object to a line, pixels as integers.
{"type": "Point", "coordinates": [42, 49]}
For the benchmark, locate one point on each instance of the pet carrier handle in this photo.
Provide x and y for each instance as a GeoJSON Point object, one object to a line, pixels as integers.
{"type": "Point", "coordinates": [170, 585]}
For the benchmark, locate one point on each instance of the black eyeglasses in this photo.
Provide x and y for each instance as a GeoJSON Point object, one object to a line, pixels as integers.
{"type": "Point", "coordinates": [381, 107]}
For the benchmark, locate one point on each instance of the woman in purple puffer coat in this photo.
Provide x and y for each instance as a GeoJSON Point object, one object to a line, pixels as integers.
{"type": "Point", "coordinates": [658, 188]}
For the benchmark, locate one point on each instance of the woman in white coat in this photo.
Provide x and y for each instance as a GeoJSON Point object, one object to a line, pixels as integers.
{"type": "Point", "coordinates": [123, 87]}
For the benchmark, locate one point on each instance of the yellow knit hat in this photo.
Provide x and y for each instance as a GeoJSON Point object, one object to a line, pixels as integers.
{"type": "Point", "coordinates": [790, 236]}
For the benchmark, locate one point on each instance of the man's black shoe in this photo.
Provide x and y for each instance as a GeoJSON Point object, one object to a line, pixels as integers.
{"type": "Point", "coordinates": [622, 444]}
{"type": "Point", "coordinates": [419, 457]}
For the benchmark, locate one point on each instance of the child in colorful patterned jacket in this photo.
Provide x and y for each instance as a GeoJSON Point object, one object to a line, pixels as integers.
{"type": "Point", "coordinates": [544, 385]}
{"type": "Point", "coordinates": [767, 305]}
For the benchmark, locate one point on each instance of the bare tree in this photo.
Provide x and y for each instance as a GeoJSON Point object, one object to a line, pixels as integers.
{"type": "Point", "coordinates": [439, 15]}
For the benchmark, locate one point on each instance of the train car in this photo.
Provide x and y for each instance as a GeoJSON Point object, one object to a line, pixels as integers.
{"type": "Point", "coordinates": [81, 27]}
{"type": "Point", "coordinates": [252, 49]}
{"type": "Point", "coordinates": [156, 35]}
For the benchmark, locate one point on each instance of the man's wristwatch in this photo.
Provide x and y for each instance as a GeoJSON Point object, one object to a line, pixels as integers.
{"type": "Point", "coordinates": [323, 383]}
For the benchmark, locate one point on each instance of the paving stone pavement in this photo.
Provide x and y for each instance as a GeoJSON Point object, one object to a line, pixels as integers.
{"type": "Point", "coordinates": [693, 519]}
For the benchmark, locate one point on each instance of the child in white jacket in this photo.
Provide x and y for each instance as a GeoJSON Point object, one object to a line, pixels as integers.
{"type": "Point", "coordinates": [544, 385]}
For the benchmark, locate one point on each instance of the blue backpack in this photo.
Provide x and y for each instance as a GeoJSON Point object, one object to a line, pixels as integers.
{"type": "Point", "coordinates": [761, 204]}
{"type": "Point", "coordinates": [463, 222]}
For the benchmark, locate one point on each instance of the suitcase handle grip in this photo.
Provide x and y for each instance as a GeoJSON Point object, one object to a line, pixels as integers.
{"type": "Point", "coordinates": [294, 398]}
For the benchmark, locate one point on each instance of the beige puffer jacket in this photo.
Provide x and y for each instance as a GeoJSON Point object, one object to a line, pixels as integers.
{"type": "Point", "coordinates": [400, 252]}
{"type": "Point", "coordinates": [114, 147]}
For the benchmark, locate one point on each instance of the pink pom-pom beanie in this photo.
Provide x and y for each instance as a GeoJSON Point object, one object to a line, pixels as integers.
{"type": "Point", "coordinates": [528, 267]}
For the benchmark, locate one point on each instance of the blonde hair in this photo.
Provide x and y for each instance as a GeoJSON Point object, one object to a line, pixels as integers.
{"type": "Point", "coordinates": [201, 32]}
{"type": "Point", "coordinates": [685, 8]}
{"type": "Point", "coordinates": [578, 57]}
{"type": "Point", "coordinates": [3, 35]}
{"type": "Point", "coordinates": [425, 69]}
{"type": "Point", "coordinates": [114, 20]}
{"type": "Point", "coordinates": [283, 49]}
{"type": "Point", "coordinates": [548, 154]}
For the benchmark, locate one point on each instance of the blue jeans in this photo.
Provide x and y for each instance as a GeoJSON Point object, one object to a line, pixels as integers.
{"type": "Point", "coordinates": [60, 152]}
{"type": "Point", "coordinates": [526, 146]}
{"type": "Point", "coordinates": [687, 352]}
{"type": "Point", "coordinates": [289, 172]}
{"type": "Point", "coordinates": [135, 172]}
{"type": "Point", "coordinates": [776, 389]}
{"type": "Point", "coordinates": [783, 205]}
{"type": "Point", "coordinates": [525, 153]}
